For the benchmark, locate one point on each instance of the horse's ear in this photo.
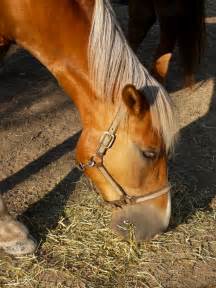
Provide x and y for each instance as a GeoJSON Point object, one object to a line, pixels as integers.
{"type": "Point", "coordinates": [134, 100]}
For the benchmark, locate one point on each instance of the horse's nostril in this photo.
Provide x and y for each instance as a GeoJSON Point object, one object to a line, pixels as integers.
{"type": "Point", "coordinates": [140, 221]}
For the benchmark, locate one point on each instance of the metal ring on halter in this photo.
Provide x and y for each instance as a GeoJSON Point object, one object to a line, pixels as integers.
{"type": "Point", "coordinates": [82, 166]}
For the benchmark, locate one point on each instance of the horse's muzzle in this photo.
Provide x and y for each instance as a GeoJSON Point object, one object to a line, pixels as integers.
{"type": "Point", "coordinates": [140, 221]}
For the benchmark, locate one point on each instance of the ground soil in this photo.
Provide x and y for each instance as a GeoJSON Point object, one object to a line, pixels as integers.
{"type": "Point", "coordinates": [39, 128]}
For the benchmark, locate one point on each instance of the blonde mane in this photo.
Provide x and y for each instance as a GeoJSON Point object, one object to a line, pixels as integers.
{"type": "Point", "coordinates": [113, 64]}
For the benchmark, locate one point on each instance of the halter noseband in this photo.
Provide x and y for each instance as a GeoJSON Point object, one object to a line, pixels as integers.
{"type": "Point", "coordinates": [106, 142]}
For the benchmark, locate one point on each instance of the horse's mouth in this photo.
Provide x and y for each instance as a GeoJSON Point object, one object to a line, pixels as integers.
{"type": "Point", "coordinates": [139, 221]}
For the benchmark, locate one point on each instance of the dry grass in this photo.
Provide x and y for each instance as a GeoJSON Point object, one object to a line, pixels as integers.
{"type": "Point", "coordinates": [83, 252]}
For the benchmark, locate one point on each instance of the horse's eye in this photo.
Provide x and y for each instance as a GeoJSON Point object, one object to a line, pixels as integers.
{"type": "Point", "coordinates": [149, 154]}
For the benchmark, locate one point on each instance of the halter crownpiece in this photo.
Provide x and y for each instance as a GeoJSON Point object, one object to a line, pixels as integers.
{"type": "Point", "coordinates": [106, 142]}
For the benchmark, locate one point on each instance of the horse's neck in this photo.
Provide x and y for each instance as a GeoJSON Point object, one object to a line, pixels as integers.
{"type": "Point", "coordinates": [57, 34]}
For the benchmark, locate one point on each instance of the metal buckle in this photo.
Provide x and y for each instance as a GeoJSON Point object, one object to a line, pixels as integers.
{"type": "Point", "coordinates": [80, 166]}
{"type": "Point", "coordinates": [107, 139]}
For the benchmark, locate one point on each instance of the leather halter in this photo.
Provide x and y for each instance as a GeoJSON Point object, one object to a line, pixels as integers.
{"type": "Point", "coordinates": [96, 161]}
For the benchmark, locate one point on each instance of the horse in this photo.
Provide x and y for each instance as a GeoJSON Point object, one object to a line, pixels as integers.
{"type": "Point", "coordinates": [181, 22]}
{"type": "Point", "coordinates": [128, 120]}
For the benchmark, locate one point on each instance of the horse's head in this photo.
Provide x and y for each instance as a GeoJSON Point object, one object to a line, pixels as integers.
{"type": "Point", "coordinates": [128, 163]}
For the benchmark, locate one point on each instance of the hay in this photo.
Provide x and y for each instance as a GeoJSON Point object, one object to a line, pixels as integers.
{"type": "Point", "coordinates": [83, 252]}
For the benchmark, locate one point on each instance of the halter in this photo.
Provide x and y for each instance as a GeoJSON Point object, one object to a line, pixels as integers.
{"type": "Point", "coordinates": [106, 142]}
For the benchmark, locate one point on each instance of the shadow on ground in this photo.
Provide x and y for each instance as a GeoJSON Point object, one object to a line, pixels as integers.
{"type": "Point", "coordinates": [195, 162]}
{"type": "Point", "coordinates": [46, 212]}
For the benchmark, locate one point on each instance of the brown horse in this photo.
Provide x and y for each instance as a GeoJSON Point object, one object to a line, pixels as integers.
{"type": "Point", "coordinates": [128, 123]}
{"type": "Point", "coordinates": [181, 22]}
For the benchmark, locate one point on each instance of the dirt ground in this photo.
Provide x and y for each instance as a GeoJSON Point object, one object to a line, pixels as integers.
{"type": "Point", "coordinates": [39, 128]}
